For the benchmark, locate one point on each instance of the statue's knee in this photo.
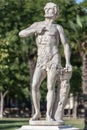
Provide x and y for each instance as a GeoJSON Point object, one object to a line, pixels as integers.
{"type": "Point", "coordinates": [50, 88]}
{"type": "Point", "coordinates": [34, 87]}
{"type": "Point", "coordinates": [65, 83]}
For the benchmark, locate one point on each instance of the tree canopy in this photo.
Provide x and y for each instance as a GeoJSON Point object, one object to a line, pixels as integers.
{"type": "Point", "coordinates": [16, 15]}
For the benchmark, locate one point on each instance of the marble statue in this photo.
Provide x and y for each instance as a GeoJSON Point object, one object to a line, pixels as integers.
{"type": "Point", "coordinates": [61, 95]}
{"type": "Point", "coordinates": [48, 34]}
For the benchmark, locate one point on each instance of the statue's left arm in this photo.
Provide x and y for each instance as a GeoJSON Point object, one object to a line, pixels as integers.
{"type": "Point", "coordinates": [67, 51]}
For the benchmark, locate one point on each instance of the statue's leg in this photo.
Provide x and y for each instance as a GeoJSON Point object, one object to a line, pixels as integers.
{"type": "Point", "coordinates": [39, 75]}
{"type": "Point", "coordinates": [51, 80]}
{"type": "Point", "coordinates": [57, 95]}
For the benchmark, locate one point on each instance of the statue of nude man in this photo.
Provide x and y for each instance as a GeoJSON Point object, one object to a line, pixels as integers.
{"type": "Point", "coordinates": [48, 62]}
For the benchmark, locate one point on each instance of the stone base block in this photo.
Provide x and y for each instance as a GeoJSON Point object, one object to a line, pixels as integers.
{"type": "Point", "coordinates": [46, 123]}
{"type": "Point", "coordinates": [62, 127]}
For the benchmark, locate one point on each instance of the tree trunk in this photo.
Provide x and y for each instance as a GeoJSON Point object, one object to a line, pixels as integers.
{"type": "Point", "coordinates": [2, 96]}
{"type": "Point", "coordinates": [84, 85]}
{"type": "Point", "coordinates": [32, 64]}
{"type": "Point", "coordinates": [1, 105]}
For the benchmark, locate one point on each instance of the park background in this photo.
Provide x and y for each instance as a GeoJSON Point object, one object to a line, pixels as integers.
{"type": "Point", "coordinates": [18, 59]}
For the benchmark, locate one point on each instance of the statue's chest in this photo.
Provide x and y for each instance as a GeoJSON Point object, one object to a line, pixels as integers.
{"type": "Point", "coordinates": [49, 36]}
{"type": "Point", "coordinates": [51, 30]}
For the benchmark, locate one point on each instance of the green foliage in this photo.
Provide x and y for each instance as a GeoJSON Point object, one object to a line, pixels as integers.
{"type": "Point", "coordinates": [84, 4]}
{"type": "Point", "coordinates": [76, 81]}
{"type": "Point", "coordinates": [79, 29]}
{"type": "Point", "coordinates": [43, 90]}
{"type": "Point", "coordinates": [79, 21]}
{"type": "Point", "coordinates": [79, 33]}
{"type": "Point", "coordinates": [16, 15]}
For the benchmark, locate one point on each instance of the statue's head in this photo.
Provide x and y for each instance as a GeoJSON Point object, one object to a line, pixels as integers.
{"type": "Point", "coordinates": [51, 10]}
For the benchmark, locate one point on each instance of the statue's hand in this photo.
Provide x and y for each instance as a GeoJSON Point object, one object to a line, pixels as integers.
{"type": "Point", "coordinates": [68, 67]}
{"type": "Point", "coordinates": [41, 30]}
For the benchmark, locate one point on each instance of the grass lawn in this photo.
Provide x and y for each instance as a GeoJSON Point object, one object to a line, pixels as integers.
{"type": "Point", "coordinates": [15, 123]}
{"type": "Point", "coordinates": [12, 123]}
{"type": "Point", "coordinates": [78, 123]}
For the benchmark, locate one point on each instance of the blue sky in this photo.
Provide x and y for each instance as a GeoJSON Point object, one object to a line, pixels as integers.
{"type": "Point", "coordinates": [78, 1]}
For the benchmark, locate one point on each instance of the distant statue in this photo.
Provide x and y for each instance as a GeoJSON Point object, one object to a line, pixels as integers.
{"type": "Point", "coordinates": [48, 34]}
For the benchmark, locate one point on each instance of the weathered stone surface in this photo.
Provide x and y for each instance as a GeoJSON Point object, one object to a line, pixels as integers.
{"type": "Point", "coordinates": [48, 34]}
{"type": "Point", "coordinates": [45, 123]}
{"type": "Point", "coordinates": [62, 127]}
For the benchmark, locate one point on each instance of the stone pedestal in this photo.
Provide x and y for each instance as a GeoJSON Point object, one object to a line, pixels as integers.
{"type": "Point", "coordinates": [47, 125]}
{"type": "Point", "coordinates": [62, 127]}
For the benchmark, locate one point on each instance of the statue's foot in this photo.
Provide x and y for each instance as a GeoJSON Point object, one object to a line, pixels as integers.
{"type": "Point", "coordinates": [36, 116]}
{"type": "Point", "coordinates": [48, 118]}
{"type": "Point", "coordinates": [60, 121]}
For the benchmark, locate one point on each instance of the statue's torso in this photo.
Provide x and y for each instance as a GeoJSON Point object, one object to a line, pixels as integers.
{"type": "Point", "coordinates": [47, 43]}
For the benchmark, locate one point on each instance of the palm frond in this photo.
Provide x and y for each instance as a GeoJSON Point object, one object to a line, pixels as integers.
{"type": "Point", "coordinates": [78, 20]}
{"type": "Point", "coordinates": [72, 25]}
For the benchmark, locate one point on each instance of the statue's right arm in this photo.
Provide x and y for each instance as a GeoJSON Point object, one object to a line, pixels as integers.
{"type": "Point", "coordinates": [28, 31]}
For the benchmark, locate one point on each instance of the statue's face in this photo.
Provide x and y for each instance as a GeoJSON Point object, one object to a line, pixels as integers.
{"type": "Point", "coordinates": [50, 10]}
